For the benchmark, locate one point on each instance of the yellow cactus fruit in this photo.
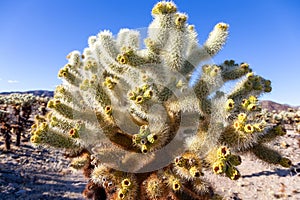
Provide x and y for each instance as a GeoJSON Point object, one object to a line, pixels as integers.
{"type": "Point", "coordinates": [252, 99]}
{"type": "Point", "coordinates": [229, 104]}
{"type": "Point", "coordinates": [176, 185]}
{"type": "Point", "coordinates": [126, 183]}
{"type": "Point", "coordinates": [122, 193]}
{"type": "Point", "coordinates": [152, 138]}
{"type": "Point", "coordinates": [195, 172]}
{"type": "Point", "coordinates": [223, 152]}
{"type": "Point", "coordinates": [122, 59]}
{"type": "Point", "coordinates": [222, 26]}
{"type": "Point", "coordinates": [219, 167]}
{"type": "Point", "coordinates": [139, 99]}
{"type": "Point", "coordinates": [249, 128]}
{"type": "Point", "coordinates": [144, 148]}
{"type": "Point", "coordinates": [238, 126]}
{"type": "Point", "coordinates": [242, 117]}
{"type": "Point", "coordinates": [73, 133]}
{"type": "Point", "coordinates": [35, 139]}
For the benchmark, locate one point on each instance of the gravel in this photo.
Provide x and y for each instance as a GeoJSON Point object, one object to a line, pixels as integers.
{"type": "Point", "coordinates": [44, 173]}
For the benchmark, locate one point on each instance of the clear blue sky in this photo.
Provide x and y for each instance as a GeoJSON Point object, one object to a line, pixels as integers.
{"type": "Point", "coordinates": [36, 35]}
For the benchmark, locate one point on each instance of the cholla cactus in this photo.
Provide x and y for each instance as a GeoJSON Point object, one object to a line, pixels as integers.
{"type": "Point", "coordinates": [290, 118]}
{"type": "Point", "coordinates": [124, 110]}
{"type": "Point", "coordinates": [17, 99]}
{"type": "Point", "coordinates": [15, 119]}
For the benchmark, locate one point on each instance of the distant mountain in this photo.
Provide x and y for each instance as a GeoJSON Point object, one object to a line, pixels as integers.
{"type": "Point", "coordinates": [44, 93]}
{"type": "Point", "coordinates": [271, 105]}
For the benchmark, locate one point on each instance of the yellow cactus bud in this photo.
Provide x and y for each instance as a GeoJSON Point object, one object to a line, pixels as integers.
{"type": "Point", "coordinates": [152, 138]}
{"type": "Point", "coordinates": [139, 99]}
{"type": "Point", "coordinates": [122, 59]}
{"type": "Point", "coordinates": [60, 89]}
{"type": "Point", "coordinates": [194, 171]}
{"type": "Point", "coordinates": [229, 104]}
{"type": "Point", "coordinates": [109, 83]}
{"type": "Point", "coordinates": [258, 127]}
{"type": "Point", "coordinates": [258, 86]}
{"type": "Point", "coordinates": [136, 138]}
{"type": "Point", "coordinates": [214, 71]}
{"type": "Point", "coordinates": [222, 26]}
{"type": "Point", "coordinates": [148, 94]}
{"type": "Point", "coordinates": [176, 185]}
{"type": "Point", "coordinates": [191, 27]}
{"type": "Point", "coordinates": [158, 8]}
{"type": "Point", "coordinates": [179, 84]}
{"type": "Point", "coordinates": [251, 107]}
{"type": "Point", "coordinates": [38, 131]}
{"type": "Point", "coordinates": [242, 117]}
{"type": "Point", "coordinates": [122, 193]}
{"type": "Point", "coordinates": [180, 161]}
{"type": "Point", "coordinates": [145, 78]}
{"type": "Point", "coordinates": [144, 88]}
{"type": "Point", "coordinates": [132, 95]}
{"type": "Point", "coordinates": [35, 139]}
{"type": "Point", "coordinates": [245, 103]}
{"type": "Point", "coordinates": [63, 72]}
{"type": "Point", "coordinates": [108, 110]}
{"type": "Point", "coordinates": [238, 126]}
{"type": "Point", "coordinates": [171, 7]}
{"type": "Point", "coordinates": [44, 126]}
{"type": "Point", "coordinates": [252, 99]}
{"type": "Point", "coordinates": [50, 104]}
{"type": "Point", "coordinates": [144, 148]}
{"type": "Point", "coordinates": [249, 128]}
{"type": "Point", "coordinates": [219, 167]}
{"type": "Point", "coordinates": [74, 133]}
{"type": "Point", "coordinates": [206, 69]}
{"type": "Point", "coordinates": [126, 183]}
{"type": "Point", "coordinates": [250, 75]}
{"type": "Point", "coordinates": [223, 152]}
{"type": "Point", "coordinates": [244, 66]}
{"type": "Point", "coordinates": [180, 20]}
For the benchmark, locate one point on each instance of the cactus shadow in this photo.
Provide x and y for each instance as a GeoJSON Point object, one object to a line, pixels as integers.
{"type": "Point", "coordinates": [38, 185]}
{"type": "Point", "coordinates": [29, 180]}
{"type": "Point", "coordinates": [293, 171]}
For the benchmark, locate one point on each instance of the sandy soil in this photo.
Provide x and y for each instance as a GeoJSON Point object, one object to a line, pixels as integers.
{"type": "Point", "coordinates": [30, 173]}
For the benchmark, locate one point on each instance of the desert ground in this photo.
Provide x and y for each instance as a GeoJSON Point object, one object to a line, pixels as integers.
{"type": "Point", "coordinates": [27, 172]}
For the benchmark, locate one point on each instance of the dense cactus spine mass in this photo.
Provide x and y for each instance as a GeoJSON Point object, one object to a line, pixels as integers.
{"type": "Point", "coordinates": [122, 109]}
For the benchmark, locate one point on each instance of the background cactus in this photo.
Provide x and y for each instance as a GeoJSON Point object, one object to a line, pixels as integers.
{"type": "Point", "coordinates": [16, 115]}
{"type": "Point", "coordinates": [290, 118]}
{"type": "Point", "coordinates": [123, 109]}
